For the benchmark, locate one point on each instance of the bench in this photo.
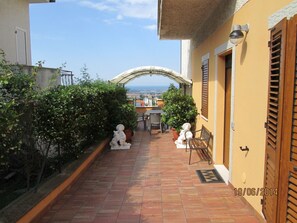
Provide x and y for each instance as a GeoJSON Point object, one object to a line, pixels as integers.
{"type": "Point", "coordinates": [200, 143]}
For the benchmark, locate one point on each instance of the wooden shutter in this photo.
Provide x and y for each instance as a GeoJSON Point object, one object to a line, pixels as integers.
{"type": "Point", "coordinates": [288, 176]}
{"type": "Point", "coordinates": [204, 94]}
{"type": "Point", "coordinates": [274, 118]}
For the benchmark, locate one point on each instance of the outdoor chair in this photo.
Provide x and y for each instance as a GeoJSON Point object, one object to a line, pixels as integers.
{"type": "Point", "coordinates": [200, 144]}
{"type": "Point", "coordinates": [141, 119]}
{"type": "Point", "coordinates": [155, 121]}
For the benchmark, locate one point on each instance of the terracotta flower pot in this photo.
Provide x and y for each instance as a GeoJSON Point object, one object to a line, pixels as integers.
{"type": "Point", "coordinates": [129, 134]}
{"type": "Point", "coordinates": [175, 134]}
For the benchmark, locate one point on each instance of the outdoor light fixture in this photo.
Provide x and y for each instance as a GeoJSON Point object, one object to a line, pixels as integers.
{"type": "Point", "coordinates": [237, 36]}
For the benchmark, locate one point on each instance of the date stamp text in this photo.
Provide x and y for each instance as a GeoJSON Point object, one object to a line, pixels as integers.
{"type": "Point", "coordinates": [252, 191]}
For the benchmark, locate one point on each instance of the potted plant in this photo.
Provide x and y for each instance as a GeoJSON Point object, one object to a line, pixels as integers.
{"type": "Point", "coordinates": [128, 117]}
{"type": "Point", "coordinates": [178, 109]}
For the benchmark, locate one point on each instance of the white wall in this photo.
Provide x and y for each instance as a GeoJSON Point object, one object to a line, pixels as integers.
{"type": "Point", "coordinates": [45, 77]}
{"type": "Point", "coordinates": [186, 62]}
{"type": "Point", "coordinates": [186, 65]}
{"type": "Point", "coordinates": [14, 16]}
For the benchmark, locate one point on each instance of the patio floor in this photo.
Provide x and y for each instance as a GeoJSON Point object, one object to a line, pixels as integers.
{"type": "Point", "coordinates": [151, 182]}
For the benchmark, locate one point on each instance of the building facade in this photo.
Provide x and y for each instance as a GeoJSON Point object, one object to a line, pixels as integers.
{"type": "Point", "coordinates": [245, 93]}
{"type": "Point", "coordinates": [15, 30]}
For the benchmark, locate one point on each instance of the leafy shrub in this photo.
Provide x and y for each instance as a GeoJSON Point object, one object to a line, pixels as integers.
{"type": "Point", "coordinates": [178, 108]}
{"type": "Point", "coordinates": [66, 119]}
{"type": "Point", "coordinates": [114, 97]}
{"type": "Point", "coordinates": [17, 92]}
{"type": "Point", "coordinates": [76, 116]}
{"type": "Point", "coordinates": [127, 116]}
{"type": "Point", "coordinates": [71, 117]}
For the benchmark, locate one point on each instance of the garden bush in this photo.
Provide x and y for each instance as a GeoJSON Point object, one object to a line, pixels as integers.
{"type": "Point", "coordinates": [114, 98]}
{"type": "Point", "coordinates": [127, 116]}
{"type": "Point", "coordinates": [17, 91]}
{"type": "Point", "coordinates": [71, 117]}
{"type": "Point", "coordinates": [61, 121]}
{"type": "Point", "coordinates": [178, 108]}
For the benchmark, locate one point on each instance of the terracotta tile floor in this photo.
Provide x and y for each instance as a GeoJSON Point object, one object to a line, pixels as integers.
{"type": "Point", "coordinates": [151, 182]}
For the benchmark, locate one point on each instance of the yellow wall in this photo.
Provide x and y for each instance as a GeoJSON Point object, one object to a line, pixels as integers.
{"type": "Point", "coordinates": [250, 92]}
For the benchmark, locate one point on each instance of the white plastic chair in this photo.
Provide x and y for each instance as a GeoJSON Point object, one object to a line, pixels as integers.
{"type": "Point", "coordinates": [155, 121]}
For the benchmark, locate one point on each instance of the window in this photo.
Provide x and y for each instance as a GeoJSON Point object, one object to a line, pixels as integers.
{"type": "Point", "coordinates": [204, 94]}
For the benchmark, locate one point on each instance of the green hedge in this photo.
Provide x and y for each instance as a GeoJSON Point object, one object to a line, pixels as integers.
{"type": "Point", "coordinates": [178, 108]}
{"type": "Point", "coordinates": [17, 91]}
{"type": "Point", "coordinates": [62, 121]}
{"type": "Point", "coordinates": [71, 117]}
{"type": "Point", "coordinates": [67, 119]}
{"type": "Point", "coordinates": [114, 97]}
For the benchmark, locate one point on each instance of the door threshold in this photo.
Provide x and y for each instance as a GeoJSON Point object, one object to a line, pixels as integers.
{"type": "Point", "coordinates": [223, 171]}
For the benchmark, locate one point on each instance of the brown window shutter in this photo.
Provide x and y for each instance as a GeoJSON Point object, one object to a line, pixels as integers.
{"type": "Point", "coordinates": [204, 94]}
{"type": "Point", "coordinates": [288, 177]}
{"type": "Point", "coordinates": [274, 118]}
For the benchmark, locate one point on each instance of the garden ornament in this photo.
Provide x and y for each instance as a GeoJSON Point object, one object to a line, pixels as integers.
{"type": "Point", "coordinates": [119, 139]}
{"type": "Point", "coordinates": [184, 135]}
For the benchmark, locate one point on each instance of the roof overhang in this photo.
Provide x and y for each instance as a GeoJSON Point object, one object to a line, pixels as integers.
{"type": "Point", "coordinates": [41, 1]}
{"type": "Point", "coordinates": [129, 75]}
{"type": "Point", "coordinates": [180, 19]}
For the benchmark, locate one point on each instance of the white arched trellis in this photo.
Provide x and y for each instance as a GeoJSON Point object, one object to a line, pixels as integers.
{"type": "Point", "coordinates": [129, 75]}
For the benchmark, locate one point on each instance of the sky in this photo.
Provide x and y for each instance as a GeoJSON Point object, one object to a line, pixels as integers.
{"type": "Point", "coordinates": [107, 36]}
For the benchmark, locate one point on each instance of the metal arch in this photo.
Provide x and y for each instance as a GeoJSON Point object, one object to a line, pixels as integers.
{"type": "Point", "coordinates": [131, 74]}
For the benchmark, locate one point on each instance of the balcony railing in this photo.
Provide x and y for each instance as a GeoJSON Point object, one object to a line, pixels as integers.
{"type": "Point", "coordinates": [66, 77]}
{"type": "Point", "coordinates": [50, 76]}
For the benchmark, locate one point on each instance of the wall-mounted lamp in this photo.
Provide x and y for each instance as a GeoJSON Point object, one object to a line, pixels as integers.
{"type": "Point", "coordinates": [237, 36]}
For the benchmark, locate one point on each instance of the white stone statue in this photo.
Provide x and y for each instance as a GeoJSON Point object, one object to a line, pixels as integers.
{"type": "Point", "coordinates": [184, 135]}
{"type": "Point", "coordinates": [119, 139]}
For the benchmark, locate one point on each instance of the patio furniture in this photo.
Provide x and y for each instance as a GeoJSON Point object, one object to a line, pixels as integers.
{"type": "Point", "coordinates": [157, 111]}
{"type": "Point", "coordinates": [148, 119]}
{"type": "Point", "coordinates": [141, 118]}
{"type": "Point", "coordinates": [154, 120]}
{"type": "Point", "coordinates": [200, 144]}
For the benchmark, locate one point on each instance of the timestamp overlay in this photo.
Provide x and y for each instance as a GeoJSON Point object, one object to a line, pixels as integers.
{"type": "Point", "coordinates": [253, 191]}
